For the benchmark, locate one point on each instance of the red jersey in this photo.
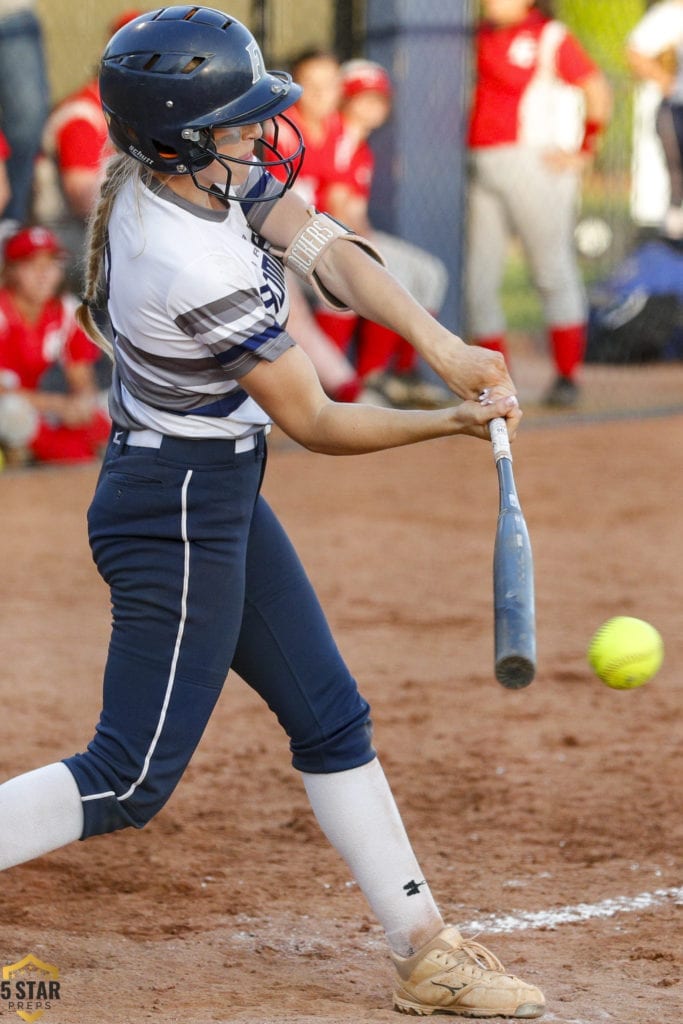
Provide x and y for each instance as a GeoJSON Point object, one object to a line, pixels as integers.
{"type": "Point", "coordinates": [506, 61]}
{"type": "Point", "coordinates": [4, 147]}
{"type": "Point", "coordinates": [318, 163]}
{"type": "Point", "coordinates": [76, 131]}
{"type": "Point", "coordinates": [28, 350]}
{"type": "Point", "coordinates": [353, 165]}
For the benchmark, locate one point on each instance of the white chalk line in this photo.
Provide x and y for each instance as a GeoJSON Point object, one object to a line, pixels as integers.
{"type": "Point", "coordinates": [497, 924]}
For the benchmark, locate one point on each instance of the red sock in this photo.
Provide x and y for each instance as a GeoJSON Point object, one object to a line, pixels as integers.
{"type": "Point", "coordinates": [377, 347]}
{"type": "Point", "coordinates": [348, 392]}
{"type": "Point", "coordinates": [406, 357]}
{"type": "Point", "coordinates": [568, 345]}
{"type": "Point", "coordinates": [495, 343]}
{"type": "Point", "coordinates": [338, 326]}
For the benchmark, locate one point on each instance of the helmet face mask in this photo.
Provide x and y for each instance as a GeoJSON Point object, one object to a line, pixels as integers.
{"type": "Point", "coordinates": [204, 139]}
{"type": "Point", "coordinates": [171, 77]}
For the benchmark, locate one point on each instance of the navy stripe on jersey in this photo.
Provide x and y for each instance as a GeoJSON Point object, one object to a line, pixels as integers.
{"type": "Point", "coordinates": [162, 381]}
{"type": "Point", "coordinates": [223, 407]}
{"type": "Point", "coordinates": [258, 342]}
{"type": "Point", "coordinates": [236, 330]}
{"type": "Point", "coordinates": [256, 190]}
{"type": "Point", "coordinates": [260, 183]}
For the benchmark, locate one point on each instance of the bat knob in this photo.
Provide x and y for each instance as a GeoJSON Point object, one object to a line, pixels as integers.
{"type": "Point", "coordinates": [515, 672]}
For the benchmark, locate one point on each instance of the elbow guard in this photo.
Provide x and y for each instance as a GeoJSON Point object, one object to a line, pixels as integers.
{"type": "Point", "coordinates": [306, 249]}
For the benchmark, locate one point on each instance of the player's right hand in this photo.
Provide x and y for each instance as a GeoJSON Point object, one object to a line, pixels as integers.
{"type": "Point", "coordinates": [473, 417]}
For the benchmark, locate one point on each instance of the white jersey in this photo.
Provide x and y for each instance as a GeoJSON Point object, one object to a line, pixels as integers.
{"type": "Point", "coordinates": [661, 29]}
{"type": "Point", "coordinates": [195, 301]}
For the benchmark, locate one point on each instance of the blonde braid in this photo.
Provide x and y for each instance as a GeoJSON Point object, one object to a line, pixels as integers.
{"type": "Point", "coordinates": [120, 169]}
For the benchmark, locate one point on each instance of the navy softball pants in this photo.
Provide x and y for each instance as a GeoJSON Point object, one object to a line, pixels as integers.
{"type": "Point", "coordinates": [202, 578]}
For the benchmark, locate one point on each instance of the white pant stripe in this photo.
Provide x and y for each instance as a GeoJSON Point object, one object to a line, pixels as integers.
{"type": "Point", "coordinates": [176, 652]}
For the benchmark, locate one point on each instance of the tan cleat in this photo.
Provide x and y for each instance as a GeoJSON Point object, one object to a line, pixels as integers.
{"type": "Point", "coordinates": [459, 976]}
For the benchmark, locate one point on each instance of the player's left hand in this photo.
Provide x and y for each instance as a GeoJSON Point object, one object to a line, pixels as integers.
{"type": "Point", "coordinates": [470, 369]}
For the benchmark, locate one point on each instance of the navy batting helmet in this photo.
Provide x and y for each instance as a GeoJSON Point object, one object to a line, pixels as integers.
{"type": "Point", "coordinates": [171, 76]}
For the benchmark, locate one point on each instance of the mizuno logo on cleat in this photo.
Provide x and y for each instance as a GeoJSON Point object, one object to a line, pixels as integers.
{"type": "Point", "coordinates": [454, 989]}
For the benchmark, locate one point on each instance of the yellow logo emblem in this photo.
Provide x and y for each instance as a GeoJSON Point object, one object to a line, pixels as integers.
{"type": "Point", "coordinates": [29, 988]}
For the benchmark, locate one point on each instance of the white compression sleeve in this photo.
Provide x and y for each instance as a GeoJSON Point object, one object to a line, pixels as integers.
{"type": "Point", "coordinates": [357, 812]}
{"type": "Point", "coordinates": [39, 811]}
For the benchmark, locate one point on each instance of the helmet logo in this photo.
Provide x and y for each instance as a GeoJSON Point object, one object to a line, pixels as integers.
{"type": "Point", "coordinates": [258, 69]}
{"type": "Point", "coordinates": [139, 155]}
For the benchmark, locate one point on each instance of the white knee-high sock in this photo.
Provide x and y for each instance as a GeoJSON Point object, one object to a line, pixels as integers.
{"type": "Point", "coordinates": [39, 811]}
{"type": "Point", "coordinates": [357, 812]}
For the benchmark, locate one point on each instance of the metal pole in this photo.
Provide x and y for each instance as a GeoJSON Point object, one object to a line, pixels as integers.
{"type": "Point", "coordinates": [420, 179]}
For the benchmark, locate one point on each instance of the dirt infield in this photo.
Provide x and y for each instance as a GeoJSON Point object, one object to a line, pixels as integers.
{"type": "Point", "coordinates": [547, 820]}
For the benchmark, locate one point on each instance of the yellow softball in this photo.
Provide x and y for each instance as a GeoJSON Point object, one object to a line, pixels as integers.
{"type": "Point", "coordinates": [625, 652]}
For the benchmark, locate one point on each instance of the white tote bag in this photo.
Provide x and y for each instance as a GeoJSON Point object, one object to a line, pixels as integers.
{"type": "Point", "coordinates": [552, 112]}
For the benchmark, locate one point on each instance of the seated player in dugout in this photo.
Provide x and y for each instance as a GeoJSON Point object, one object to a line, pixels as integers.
{"type": "Point", "coordinates": [202, 575]}
{"type": "Point", "coordinates": [385, 361]}
{"type": "Point", "coordinates": [314, 117]}
{"type": "Point", "coordinates": [39, 336]}
{"type": "Point", "coordinates": [340, 107]}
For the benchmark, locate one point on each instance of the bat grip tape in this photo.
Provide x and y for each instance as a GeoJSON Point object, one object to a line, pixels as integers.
{"type": "Point", "coordinates": [500, 439]}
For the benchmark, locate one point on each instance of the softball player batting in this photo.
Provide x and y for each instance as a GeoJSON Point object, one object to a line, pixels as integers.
{"type": "Point", "coordinates": [202, 576]}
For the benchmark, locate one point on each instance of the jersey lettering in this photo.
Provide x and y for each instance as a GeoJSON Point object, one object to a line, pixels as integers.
{"type": "Point", "coordinates": [523, 51]}
{"type": "Point", "coordinates": [309, 245]}
{"type": "Point", "coordinates": [273, 291]}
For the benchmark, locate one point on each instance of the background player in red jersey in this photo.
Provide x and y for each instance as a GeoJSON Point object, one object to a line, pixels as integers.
{"type": "Point", "coordinates": [339, 108]}
{"type": "Point", "coordinates": [70, 169]}
{"type": "Point", "coordinates": [525, 178]}
{"type": "Point", "coordinates": [316, 116]}
{"type": "Point", "coordinates": [38, 333]}
{"type": "Point", "coordinates": [384, 360]}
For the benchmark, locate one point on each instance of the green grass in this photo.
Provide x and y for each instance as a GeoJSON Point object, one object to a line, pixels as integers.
{"type": "Point", "coordinates": [519, 298]}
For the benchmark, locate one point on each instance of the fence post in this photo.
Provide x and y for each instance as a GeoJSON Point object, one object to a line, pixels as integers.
{"type": "Point", "coordinates": [419, 187]}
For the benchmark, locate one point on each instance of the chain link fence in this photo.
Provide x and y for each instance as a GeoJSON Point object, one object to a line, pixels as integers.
{"type": "Point", "coordinates": [621, 194]}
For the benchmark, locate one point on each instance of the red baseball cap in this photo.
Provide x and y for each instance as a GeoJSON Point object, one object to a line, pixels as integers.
{"type": "Point", "coordinates": [364, 76]}
{"type": "Point", "coordinates": [28, 241]}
